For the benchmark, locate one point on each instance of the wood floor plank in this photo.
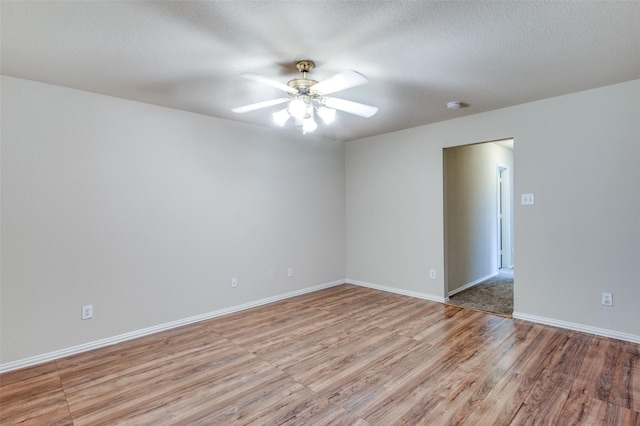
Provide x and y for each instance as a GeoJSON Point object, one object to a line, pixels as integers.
{"type": "Point", "coordinates": [293, 349]}
{"type": "Point", "coordinates": [509, 343]}
{"type": "Point", "coordinates": [416, 323]}
{"type": "Point", "coordinates": [582, 409]}
{"type": "Point", "coordinates": [340, 356]}
{"type": "Point", "coordinates": [467, 400]}
{"type": "Point", "coordinates": [626, 381]}
{"type": "Point", "coordinates": [271, 329]}
{"type": "Point", "coordinates": [400, 319]}
{"type": "Point", "coordinates": [345, 355]}
{"type": "Point", "coordinates": [228, 400]}
{"type": "Point", "coordinates": [386, 379]}
{"type": "Point", "coordinates": [140, 369]}
{"type": "Point", "coordinates": [33, 396]}
{"type": "Point", "coordinates": [617, 415]}
{"type": "Point", "coordinates": [540, 351]}
{"type": "Point", "coordinates": [448, 395]}
{"type": "Point", "coordinates": [130, 395]}
{"type": "Point", "coordinates": [443, 331]}
{"type": "Point", "coordinates": [545, 401]}
{"type": "Point", "coordinates": [501, 403]}
{"type": "Point", "coordinates": [409, 388]}
{"type": "Point", "coordinates": [343, 296]}
{"type": "Point", "coordinates": [317, 410]}
{"type": "Point", "coordinates": [265, 319]}
{"type": "Point", "coordinates": [595, 378]}
{"type": "Point", "coordinates": [346, 371]}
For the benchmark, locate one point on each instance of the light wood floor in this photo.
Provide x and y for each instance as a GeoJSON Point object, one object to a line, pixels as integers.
{"type": "Point", "coordinates": [342, 356]}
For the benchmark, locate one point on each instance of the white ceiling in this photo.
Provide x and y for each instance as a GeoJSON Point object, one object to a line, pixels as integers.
{"type": "Point", "coordinates": [418, 55]}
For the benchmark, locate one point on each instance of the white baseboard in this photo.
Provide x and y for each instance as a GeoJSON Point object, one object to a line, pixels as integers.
{"type": "Point", "coordinates": [51, 356]}
{"type": "Point", "coordinates": [39, 359]}
{"type": "Point", "coordinates": [578, 327]}
{"type": "Point", "coordinates": [397, 290]}
{"type": "Point", "coordinates": [471, 284]}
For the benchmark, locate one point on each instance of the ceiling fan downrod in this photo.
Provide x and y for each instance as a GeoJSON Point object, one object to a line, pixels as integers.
{"type": "Point", "coordinates": [303, 85]}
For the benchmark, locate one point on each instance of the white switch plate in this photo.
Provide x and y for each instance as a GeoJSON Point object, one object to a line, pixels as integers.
{"type": "Point", "coordinates": [527, 199]}
{"type": "Point", "coordinates": [290, 272]}
{"type": "Point", "coordinates": [234, 282]}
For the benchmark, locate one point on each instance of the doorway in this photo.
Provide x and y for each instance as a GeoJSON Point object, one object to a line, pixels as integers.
{"type": "Point", "coordinates": [478, 224]}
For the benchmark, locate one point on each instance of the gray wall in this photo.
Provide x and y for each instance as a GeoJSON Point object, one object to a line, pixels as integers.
{"type": "Point", "coordinates": [578, 153]}
{"type": "Point", "coordinates": [471, 211]}
{"type": "Point", "coordinates": [147, 213]}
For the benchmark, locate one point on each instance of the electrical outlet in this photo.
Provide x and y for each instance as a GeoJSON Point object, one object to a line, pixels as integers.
{"type": "Point", "coordinates": [432, 274]}
{"type": "Point", "coordinates": [607, 299]}
{"type": "Point", "coordinates": [527, 199]}
{"type": "Point", "coordinates": [234, 282]}
{"type": "Point", "coordinates": [87, 312]}
{"type": "Point", "coordinates": [290, 272]}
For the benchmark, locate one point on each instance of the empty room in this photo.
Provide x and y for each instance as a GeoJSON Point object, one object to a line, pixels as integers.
{"type": "Point", "coordinates": [248, 212]}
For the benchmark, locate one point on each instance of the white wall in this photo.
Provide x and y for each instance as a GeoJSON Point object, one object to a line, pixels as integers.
{"type": "Point", "coordinates": [471, 211]}
{"type": "Point", "coordinates": [578, 153]}
{"type": "Point", "coordinates": [147, 213]}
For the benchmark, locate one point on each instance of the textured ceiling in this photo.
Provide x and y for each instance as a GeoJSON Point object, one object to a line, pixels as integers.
{"type": "Point", "coordinates": [418, 55]}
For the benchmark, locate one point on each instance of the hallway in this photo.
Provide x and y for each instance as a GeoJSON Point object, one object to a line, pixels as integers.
{"type": "Point", "coordinates": [492, 295]}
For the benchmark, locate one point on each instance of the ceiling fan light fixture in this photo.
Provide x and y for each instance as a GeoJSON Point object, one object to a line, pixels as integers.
{"type": "Point", "coordinates": [327, 114]}
{"type": "Point", "coordinates": [308, 97]}
{"type": "Point", "coordinates": [297, 108]}
{"type": "Point", "coordinates": [281, 117]}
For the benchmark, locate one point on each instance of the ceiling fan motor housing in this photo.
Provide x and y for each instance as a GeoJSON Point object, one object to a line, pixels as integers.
{"type": "Point", "coordinates": [303, 85]}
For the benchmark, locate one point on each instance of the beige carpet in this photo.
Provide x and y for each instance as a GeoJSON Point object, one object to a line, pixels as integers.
{"type": "Point", "coordinates": [493, 295]}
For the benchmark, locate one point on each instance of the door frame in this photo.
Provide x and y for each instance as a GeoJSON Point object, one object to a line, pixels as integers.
{"type": "Point", "coordinates": [504, 216]}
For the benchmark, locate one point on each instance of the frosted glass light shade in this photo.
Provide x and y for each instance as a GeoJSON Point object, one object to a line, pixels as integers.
{"type": "Point", "coordinates": [308, 125]}
{"type": "Point", "coordinates": [281, 117]}
{"type": "Point", "coordinates": [297, 108]}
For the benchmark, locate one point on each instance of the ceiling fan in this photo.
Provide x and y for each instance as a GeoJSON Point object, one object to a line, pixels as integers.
{"type": "Point", "coordinates": [308, 98]}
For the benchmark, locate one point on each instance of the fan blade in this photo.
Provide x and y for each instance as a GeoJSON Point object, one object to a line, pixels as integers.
{"type": "Point", "coordinates": [341, 81]}
{"type": "Point", "coordinates": [355, 108]}
{"type": "Point", "coordinates": [258, 105]}
{"type": "Point", "coordinates": [265, 80]}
